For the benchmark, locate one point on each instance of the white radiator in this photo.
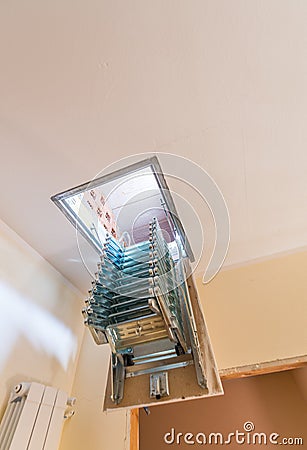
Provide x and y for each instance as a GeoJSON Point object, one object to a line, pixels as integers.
{"type": "Point", "coordinates": [34, 418]}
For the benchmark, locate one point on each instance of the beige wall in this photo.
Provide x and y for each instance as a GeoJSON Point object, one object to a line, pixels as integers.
{"type": "Point", "coordinates": [90, 427]}
{"type": "Point", "coordinates": [40, 326]}
{"type": "Point", "coordinates": [258, 313]}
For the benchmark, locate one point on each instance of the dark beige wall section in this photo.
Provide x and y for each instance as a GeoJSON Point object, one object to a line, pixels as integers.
{"type": "Point", "coordinates": [274, 403]}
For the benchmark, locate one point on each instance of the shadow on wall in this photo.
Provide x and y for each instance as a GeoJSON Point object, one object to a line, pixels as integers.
{"type": "Point", "coordinates": [20, 318]}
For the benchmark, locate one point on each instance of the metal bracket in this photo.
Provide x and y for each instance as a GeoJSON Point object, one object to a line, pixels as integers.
{"type": "Point", "coordinates": [159, 385]}
{"type": "Point", "coordinates": [118, 377]}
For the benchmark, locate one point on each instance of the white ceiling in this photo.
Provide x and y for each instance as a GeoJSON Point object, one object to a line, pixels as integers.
{"type": "Point", "coordinates": [224, 83]}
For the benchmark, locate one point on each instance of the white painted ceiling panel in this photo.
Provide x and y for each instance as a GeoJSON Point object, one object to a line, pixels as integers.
{"type": "Point", "coordinates": [83, 84]}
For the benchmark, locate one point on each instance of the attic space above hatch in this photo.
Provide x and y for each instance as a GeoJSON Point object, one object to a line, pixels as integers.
{"type": "Point", "coordinates": [122, 204]}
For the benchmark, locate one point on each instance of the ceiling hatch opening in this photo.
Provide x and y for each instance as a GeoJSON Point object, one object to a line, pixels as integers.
{"type": "Point", "coordinates": [143, 301]}
{"type": "Point", "coordinates": [121, 204]}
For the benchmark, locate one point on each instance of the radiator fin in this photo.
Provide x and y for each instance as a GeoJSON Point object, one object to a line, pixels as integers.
{"type": "Point", "coordinates": [33, 418]}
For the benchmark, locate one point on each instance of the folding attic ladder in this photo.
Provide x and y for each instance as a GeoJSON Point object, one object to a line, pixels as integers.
{"type": "Point", "coordinates": [143, 301]}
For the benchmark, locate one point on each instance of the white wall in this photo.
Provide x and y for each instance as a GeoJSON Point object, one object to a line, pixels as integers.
{"type": "Point", "coordinates": [40, 326]}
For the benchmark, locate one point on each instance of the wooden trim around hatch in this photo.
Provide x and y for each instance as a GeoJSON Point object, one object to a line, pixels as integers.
{"type": "Point", "coordinates": [278, 365]}
{"type": "Point", "coordinates": [134, 429]}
